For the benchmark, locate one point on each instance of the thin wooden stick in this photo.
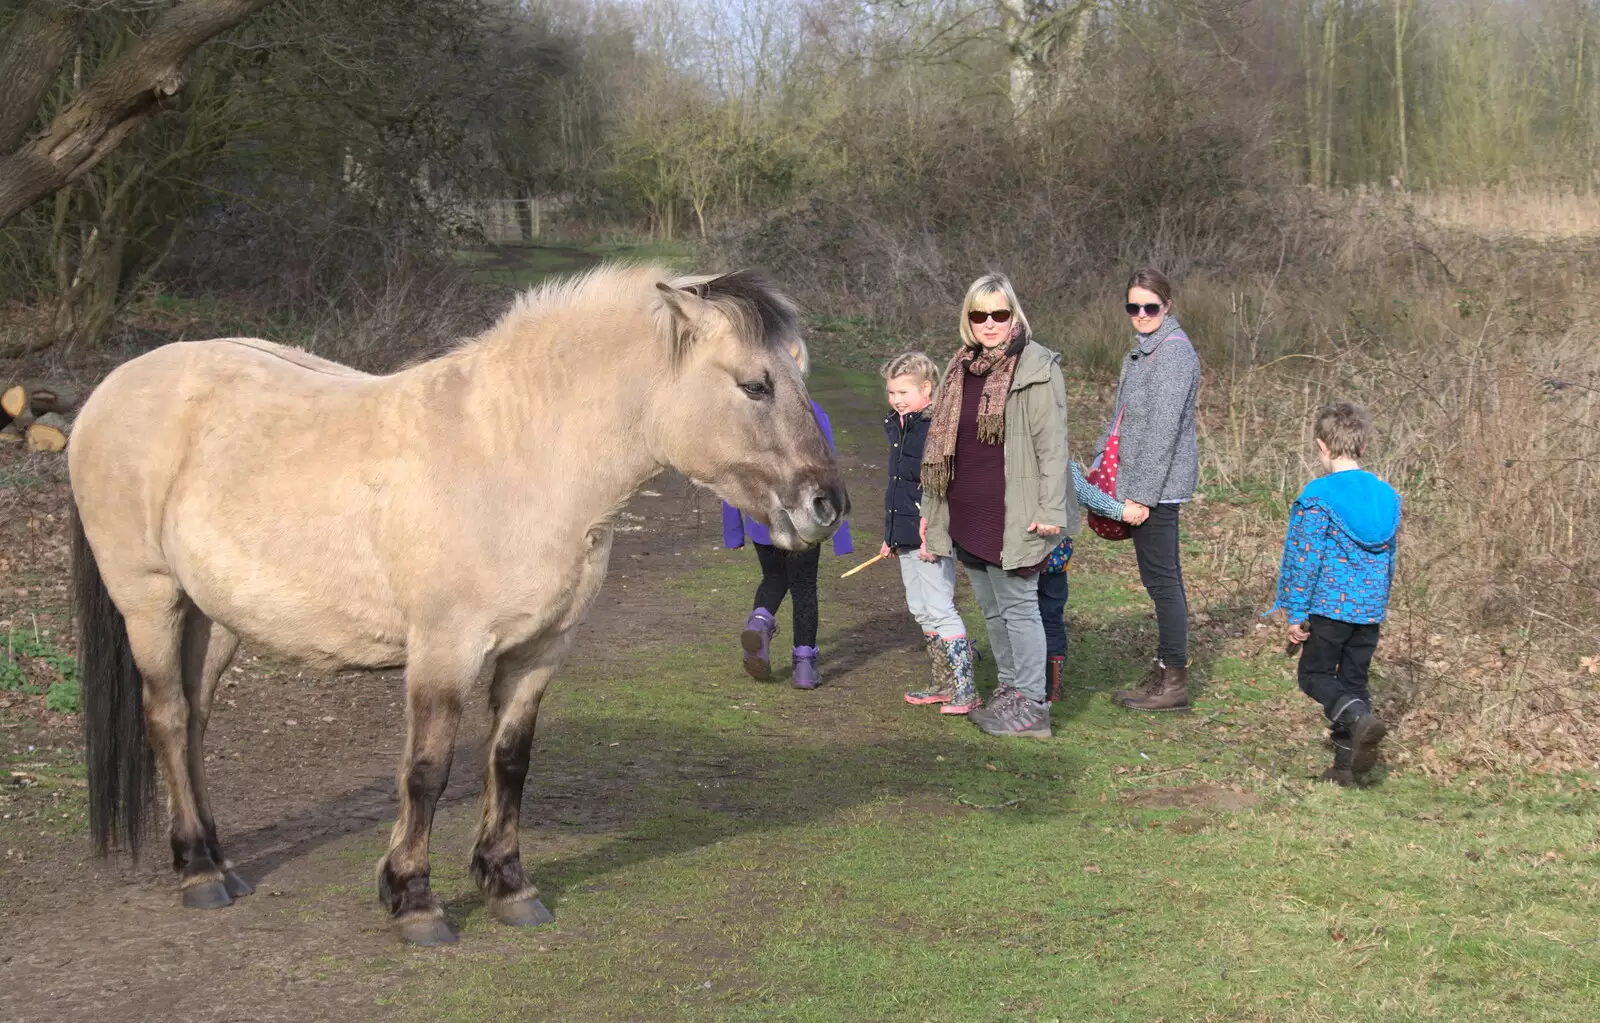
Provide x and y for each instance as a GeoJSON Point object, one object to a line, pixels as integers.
{"type": "Point", "coordinates": [864, 564]}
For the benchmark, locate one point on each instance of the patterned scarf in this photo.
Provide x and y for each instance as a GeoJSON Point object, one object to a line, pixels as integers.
{"type": "Point", "coordinates": [997, 366]}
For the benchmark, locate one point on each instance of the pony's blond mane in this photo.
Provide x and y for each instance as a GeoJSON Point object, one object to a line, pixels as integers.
{"type": "Point", "coordinates": [757, 309]}
{"type": "Point", "coordinates": [609, 284]}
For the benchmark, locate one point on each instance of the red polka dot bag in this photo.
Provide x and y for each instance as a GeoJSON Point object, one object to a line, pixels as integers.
{"type": "Point", "coordinates": [1103, 477]}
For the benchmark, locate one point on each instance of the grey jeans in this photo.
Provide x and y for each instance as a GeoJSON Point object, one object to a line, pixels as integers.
{"type": "Point", "coordinates": [1010, 604]}
{"type": "Point", "coordinates": [931, 594]}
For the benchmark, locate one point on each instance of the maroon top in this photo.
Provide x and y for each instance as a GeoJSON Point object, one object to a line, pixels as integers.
{"type": "Point", "coordinates": [977, 495]}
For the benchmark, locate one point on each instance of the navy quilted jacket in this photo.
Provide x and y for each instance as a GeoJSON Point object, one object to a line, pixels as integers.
{"type": "Point", "coordinates": [902, 500]}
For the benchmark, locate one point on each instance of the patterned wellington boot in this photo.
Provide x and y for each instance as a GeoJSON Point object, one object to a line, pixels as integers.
{"type": "Point", "coordinates": [1053, 670]}
{"type": "Point", "coordinates": [805, 668]}
{"type": "Point", "coordinates": [958, 654]}
{"type": "Point", "coordinates": [943, 689]}
{"type": "Point", "coordinates": [756, 639]}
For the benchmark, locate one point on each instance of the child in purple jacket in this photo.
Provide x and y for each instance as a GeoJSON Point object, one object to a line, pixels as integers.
{"type": "Point", "coordinates": [783, 572]}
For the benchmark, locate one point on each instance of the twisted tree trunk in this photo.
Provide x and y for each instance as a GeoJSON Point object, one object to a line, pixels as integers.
{"type": "Point", "coordinates": [122, 93]}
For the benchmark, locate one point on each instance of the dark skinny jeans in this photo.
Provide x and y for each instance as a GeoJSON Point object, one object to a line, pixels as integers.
{"type": "Point", "coordinates": [1155, 543]}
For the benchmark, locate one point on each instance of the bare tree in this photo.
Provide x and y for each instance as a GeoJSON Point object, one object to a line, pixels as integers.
{"type": "Point", "coordinates": [1046, 39]}
{"type": "Point", "coordinates": [115, 100]}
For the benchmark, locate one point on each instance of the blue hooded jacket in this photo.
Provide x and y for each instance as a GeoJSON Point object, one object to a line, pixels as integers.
{"type": "Point", "coordinates": [1338, 556]}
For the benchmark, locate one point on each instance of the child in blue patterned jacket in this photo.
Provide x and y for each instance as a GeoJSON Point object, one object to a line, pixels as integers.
{"type": "Point", "coordinates": [1338, 562]}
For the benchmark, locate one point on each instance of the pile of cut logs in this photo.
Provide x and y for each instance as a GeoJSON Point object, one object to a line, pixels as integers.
{"type": "Point", "coordinates": [38, 414]}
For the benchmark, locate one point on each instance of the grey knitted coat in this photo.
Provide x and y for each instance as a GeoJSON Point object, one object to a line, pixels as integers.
{"type": "Point", "coordinates": [1159, 458]}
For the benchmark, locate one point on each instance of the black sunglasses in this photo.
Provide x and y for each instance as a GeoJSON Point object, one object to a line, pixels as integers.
{"type": "Point", "coordinates": [1150, 308]}
{"type": "Point", "coordinates": [977, 316]}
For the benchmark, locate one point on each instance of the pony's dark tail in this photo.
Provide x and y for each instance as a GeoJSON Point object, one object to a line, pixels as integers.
{"type": "Point", "coordinates": [120, 767]}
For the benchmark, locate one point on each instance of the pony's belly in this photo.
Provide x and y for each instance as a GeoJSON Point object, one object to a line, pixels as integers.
{"type": "Point", "coordinates": [329, 629]}
{"type": "Point", "coordinates": [322, 645]}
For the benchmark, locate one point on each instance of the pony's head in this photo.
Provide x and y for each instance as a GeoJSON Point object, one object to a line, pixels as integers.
{"type": "Point", "coordinates": [736, 417]}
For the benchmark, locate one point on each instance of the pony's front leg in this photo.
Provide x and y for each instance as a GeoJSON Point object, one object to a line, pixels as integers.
{"type": "Point", "coordinates": [436, 682]}
{"type": "Point", "coordinates": [519, 684]}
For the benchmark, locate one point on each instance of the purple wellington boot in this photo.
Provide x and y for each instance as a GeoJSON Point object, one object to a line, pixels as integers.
{"type": "Point", "coordinates": [805, 668]}
{"type": "Point", "coordinates": [757, 643]}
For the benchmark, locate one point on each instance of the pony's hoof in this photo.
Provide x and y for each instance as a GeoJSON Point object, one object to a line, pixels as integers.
{"type": "Point", "coordinates": [237, 886]}
{"type": "Point", "coordinates": [211, 895]}
{"type": "Point", "coordinates": [521, 912]}
{"type": "Point", "coordinates": [426, 930]}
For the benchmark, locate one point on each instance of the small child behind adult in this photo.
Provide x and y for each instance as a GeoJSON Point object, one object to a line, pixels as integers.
{"type": "Point", "coordinates": [783, 573]}
{"type": "Point", "coordinates": [1338, 563]}
{"type": "Point", "coordinates": [929, 580]}
{"type": "Point", "coordinates": [1054, 583]}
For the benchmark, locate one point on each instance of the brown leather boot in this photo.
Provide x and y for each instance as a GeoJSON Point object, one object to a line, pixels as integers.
{"type": "Point", "coordinates": [1171, 695]}
{"type": "Point", "coordinates": [1147, 686]}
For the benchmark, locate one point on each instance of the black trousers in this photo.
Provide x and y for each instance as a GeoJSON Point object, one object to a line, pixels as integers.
{"type": "Point", "coordinates": [790, 573]}
{"type": "Point", "coordinates": [1155, 544]}
{"type": "Point", "coordinates": [1334, 664]}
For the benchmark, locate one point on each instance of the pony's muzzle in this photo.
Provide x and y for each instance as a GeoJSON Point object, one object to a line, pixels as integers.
{"type": "Point", "coordinates": [820, 513]}
{"type": "Point", "coordinates": [826, 509]}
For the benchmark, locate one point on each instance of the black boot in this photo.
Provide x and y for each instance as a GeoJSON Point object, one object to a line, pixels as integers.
{"type": "Point", "coordinates": [1365, 734]}
{"type": "Point", "coordinates": [1340, 773]}
{"type": "Point", "coordinates": [1356, 734]}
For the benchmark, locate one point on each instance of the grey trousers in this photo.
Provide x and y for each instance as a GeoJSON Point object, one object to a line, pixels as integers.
{"type": "Point", "coordinates": [1010, 604]}
{"type": "Point", "coordinates": [931, 594]}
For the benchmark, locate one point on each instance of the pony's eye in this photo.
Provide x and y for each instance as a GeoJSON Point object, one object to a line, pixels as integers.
{"type": "Point", "coordinates": [755, 390]}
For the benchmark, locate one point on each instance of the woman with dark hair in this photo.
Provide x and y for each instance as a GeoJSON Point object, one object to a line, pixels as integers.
{"type": "Point", "coordinates": [995, 494]}
{"type": "Point", "coordinates": [1158, 467]}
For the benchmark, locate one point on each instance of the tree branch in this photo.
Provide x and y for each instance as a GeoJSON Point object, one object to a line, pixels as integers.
{"type": "Point", "coordinates": [34, 47]}
{"type": "Point", "coordinates": [117, 100]}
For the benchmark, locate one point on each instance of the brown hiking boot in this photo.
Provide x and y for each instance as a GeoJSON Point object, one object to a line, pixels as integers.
{"type": "Point", "coordinates": [1172, 694]}
{"type": "Point", "coordinates": [1148, 686]}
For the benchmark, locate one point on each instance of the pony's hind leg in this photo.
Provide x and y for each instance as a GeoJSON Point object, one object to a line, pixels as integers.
{"type": "Point", "coordinates": [208, 649]}
{"type": "Point", "coordinates": [155, 634]}
{"type": "Point", "coordinates": [436, 683]}
{"type": "Point", "coordinates": [519, 684]}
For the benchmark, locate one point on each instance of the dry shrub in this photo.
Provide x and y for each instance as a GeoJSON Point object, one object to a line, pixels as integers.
{"type": "Point", "coordinates": [1487, 409]}
{"type": "Point", "coordinates": [1142, 168]}
{"type": "Point", "coordinates": [380, 317]}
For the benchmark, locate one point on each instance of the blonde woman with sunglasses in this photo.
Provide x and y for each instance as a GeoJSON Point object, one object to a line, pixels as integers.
{"type": "Point", "coordinates": [995, 491]}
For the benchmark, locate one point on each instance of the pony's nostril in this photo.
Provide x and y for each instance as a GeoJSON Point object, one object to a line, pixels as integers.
{"type": "Point", "coordinates": [823, 510]}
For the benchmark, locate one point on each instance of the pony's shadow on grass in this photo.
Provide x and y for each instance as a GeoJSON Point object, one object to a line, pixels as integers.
{"type": "Point", "coordinates": [704, 786]}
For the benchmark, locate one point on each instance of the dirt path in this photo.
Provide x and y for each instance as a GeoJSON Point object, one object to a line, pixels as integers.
{"type": "Point", "coordinates": [302, 775]}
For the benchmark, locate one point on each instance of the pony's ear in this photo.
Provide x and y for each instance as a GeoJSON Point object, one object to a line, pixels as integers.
{"type": "Point", "coordinates": [686, 304]}
{"type": "Point", "coordinates": [684, 307]}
